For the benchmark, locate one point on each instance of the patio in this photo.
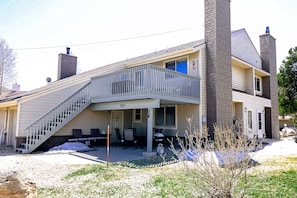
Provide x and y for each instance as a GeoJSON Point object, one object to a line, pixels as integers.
{"type": "Point", "coordinates": [116, 153]}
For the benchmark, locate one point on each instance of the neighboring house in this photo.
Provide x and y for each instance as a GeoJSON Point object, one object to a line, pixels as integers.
{"type": "Point", "coordinates": [216, 80]}
{"type": "Point", "coordinates": [285, 120]}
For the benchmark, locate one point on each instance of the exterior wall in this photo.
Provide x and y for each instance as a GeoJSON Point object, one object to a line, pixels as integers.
{"type": "Point", "coordinates": [237, 109]}
{"type": "Point", "coordinates": [2, 126]}
{"type": "Point", "coordinates": [8, 119]}
{"type": "Point", "coordinates": [33, 109]}
{"type": "Point", "coordinates": [85, 121]}
{"type": "Point", "coordinates": [254, 104]}
{"type": "Point", "coordinates": [238, 78]}
{"type": "Point", "coordinates": [141, 126]}
{"type": "Point", "coordinates": [243, 48]}
{"type": "Point", "coordinates": [203, 87]}
{"type": "Point", "coordinates": [194, 64]}
{"type": "Point", "coordinates": [184, 112]}
{"type": "Point", "coordinates": [249, 81]}
{"type": "Point", "coordinates": [11, 126]}
{"type": "Point", "coordinates": [219, 73]}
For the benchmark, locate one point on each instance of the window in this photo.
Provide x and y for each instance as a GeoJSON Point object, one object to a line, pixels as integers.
{"type": "Point", "coordinates": [137, 115]}
{"type": "Point", "coordinates": [165, 116]}
{"type": "Point", "coordinates": [180, 65]}
{"type": "Point", "coordinates": [259, 120]}
{"type": "Point", "coordinates": [258, 84]}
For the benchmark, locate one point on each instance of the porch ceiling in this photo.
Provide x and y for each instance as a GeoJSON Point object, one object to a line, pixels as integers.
{"type": "Point", "coordinates": [128, 104]}
{"type": "Point", "coordinates": [135, 104]}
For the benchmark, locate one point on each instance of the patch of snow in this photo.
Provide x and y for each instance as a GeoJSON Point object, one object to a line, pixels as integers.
{"type": "Point", "coordinates": [280, 148]}
{"type": "Point", "coordinates": [70, 146]}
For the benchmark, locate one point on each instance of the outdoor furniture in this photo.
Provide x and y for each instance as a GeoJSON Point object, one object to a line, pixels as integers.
{"type": "Point", "coordinates": [119, 136]}
{"type": "Point", "coordinates": [129, 135]}
{"type": "Point", "coordinates": [77, 136]}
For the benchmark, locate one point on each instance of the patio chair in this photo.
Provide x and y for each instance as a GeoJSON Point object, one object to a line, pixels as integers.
{"type": "Point", "coordinates": [119, 136]}
{"type": "Point", "coordinates": [77, 133]}
{"type": "Point", "coordinates": [129, 135]}
{"type": "Point", "coordinates": [95, 132]}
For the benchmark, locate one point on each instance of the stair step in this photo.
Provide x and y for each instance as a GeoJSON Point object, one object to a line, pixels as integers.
{"type": "Point", "coordinates": [51, 122]}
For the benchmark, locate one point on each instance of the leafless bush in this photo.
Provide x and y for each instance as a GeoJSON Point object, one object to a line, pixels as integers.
{"type": "Point", "coordinates": [218, 164]}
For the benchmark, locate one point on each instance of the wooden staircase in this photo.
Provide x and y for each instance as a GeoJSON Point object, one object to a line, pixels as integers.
{"type": "Point", "coordinates": [51, 122]}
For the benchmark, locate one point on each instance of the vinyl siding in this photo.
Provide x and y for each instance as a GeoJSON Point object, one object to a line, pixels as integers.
{"type": "Point", "coordinates": [33, 109]}
{"type": "Point", "coordinates": [184, 112]}
{"type": "Point", "coordinates": [252, 103]}
{"type": "Point", "coordinates": [85, 121]}
{"type": "Point", "coordinates": [238, 108]}
{"type": "Point", "coordinates": [249, 81]}
{"type": "Point", "coordinates": [238, 78]}
{"type": "Point", "coordinates": [203, 84]}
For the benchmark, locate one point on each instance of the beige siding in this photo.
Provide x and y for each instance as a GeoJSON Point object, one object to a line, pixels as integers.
{"type": "Point", "coordinates": [238, 78]}
{"type": "Point", "coordinates": [11, 126]}
{"type": "Point", "coordinates": [2, 119]}
{"type": "Point", "coordinates": [184, 112]}
{"type": "Point", "coordinates": [85, 121]}
{"type": "Point", "coordinates": [254, 104]}
{"type": "Point", "coordinates": [238, 108]}
{"type": "Point", "coordinates": [33, 109]}
{"type": "Point", "coordinates": [194, 66]}
{"type": "Point", "coordinates": [249, 81]}
{"type": "Point", "coordinates": [203, 84]}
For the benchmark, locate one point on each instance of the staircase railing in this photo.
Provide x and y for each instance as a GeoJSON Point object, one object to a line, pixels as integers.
{"type": "Point", "coordinates": [48, 124]}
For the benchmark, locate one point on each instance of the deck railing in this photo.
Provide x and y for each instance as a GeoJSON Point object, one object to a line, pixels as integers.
{"type": "Point", "coordinates": [147, 81]}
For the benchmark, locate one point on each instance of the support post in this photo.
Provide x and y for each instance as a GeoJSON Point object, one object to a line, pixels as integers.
{"type": "Point", "coordinates": [149, 130]}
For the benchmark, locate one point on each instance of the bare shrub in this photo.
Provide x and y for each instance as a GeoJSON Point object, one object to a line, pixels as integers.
{"type": "Point", "coordinates": [219, 164]}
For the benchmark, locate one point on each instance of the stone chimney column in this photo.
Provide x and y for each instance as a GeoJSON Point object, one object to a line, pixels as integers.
{"type": "Point", "coordinates": [218, 63]}
{"type": "Point", "coordinates": [270, 85]}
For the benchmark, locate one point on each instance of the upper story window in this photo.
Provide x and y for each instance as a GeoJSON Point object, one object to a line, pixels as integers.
{"type": "Point", "coordinates": [179, 65]}
{"type": "Point", "coordinates": [258, 85]}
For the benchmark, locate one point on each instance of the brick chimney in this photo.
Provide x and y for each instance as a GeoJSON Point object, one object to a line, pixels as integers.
{"type": "Point", "coordinates": [268, 56]}
{"type": "Point", "coordinates": [67, 65]}
{"type": "Point", "coordinates": [218, 63]}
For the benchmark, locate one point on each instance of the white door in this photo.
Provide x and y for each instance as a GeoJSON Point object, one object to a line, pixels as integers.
{"type": "Point", "coordinates": [117, 122]}
{"type": "Point", "coordinates": [260, 124]}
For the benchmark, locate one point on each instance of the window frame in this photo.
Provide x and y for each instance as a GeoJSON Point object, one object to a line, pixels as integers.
{"type": "Point", "coordinates": [135, 115]}
{"type": "Point", "coordinates": [175, 60]}
{"type": "Point", "coordinates": [258, 89]}
{"type": "Point", "coordinates": [164, 124]}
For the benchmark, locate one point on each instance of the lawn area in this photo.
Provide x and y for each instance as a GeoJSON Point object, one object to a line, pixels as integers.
{"type": "Point", "coordinates": [156, 178]}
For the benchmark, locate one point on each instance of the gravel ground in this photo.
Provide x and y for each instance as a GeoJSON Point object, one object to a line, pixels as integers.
{"type": "Point", "coordinates": [48, 169]}
{"type": "Point", "coordinates": [44, 169]}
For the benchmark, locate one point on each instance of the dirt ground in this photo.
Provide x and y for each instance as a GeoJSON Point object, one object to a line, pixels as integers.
{"type": "Point", "coordinates": [48, 169]}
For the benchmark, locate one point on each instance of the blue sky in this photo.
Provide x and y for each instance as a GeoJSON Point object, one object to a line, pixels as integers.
{"type": "Point", "coordinates": [40, 30]}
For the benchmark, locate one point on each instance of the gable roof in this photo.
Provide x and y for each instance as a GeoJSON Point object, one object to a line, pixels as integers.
{"type": "Point", "coordinates": [243, 48]}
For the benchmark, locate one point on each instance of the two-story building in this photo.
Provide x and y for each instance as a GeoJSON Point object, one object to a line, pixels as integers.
{"type": "Point", "coordinates": [218, 79]}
